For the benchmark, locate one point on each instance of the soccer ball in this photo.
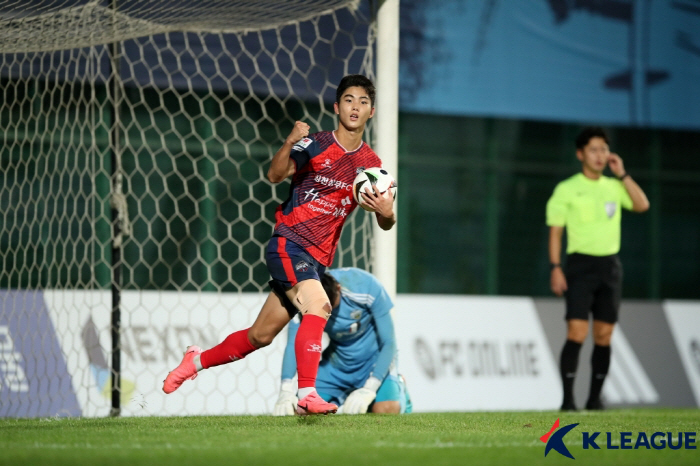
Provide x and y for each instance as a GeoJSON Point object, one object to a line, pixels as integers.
{"type": "Point", "coordinates": [374, 176]}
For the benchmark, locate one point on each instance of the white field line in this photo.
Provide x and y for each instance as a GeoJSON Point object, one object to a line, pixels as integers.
{"type": "Point", "coordinates": [437, 444]}
{"type": "Point", "coordinates": [268, 445]}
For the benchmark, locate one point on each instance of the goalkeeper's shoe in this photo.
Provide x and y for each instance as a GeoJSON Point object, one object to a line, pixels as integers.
{"type": "Point", "coordinates": [314, 404]}
{"type": "Point", "coordinates": [185, 371]}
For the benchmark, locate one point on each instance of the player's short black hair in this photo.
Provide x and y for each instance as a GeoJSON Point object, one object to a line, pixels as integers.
{"type": "Point", "coordinates": [589, 132]}
{"type": "Point", "coordinates": [356, 80]}
{"type": "Point", "coordinates": [330, 286]}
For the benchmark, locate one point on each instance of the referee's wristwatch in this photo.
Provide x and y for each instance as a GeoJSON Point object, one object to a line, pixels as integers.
{"type": "Point", "coordinates": [554, 266]}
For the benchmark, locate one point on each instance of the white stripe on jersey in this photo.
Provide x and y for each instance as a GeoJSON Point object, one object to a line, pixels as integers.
{"type": "Point", "coordinates": [359, 298]}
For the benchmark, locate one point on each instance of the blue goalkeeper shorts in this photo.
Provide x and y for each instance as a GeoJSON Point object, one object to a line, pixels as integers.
{"type": "Point", "coordinates": [393, 388]}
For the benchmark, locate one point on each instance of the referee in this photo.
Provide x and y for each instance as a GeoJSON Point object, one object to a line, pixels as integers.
{"type": "Point", "coordinates": [588, 205]}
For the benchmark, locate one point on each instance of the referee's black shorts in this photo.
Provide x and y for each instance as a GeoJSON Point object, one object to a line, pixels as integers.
{"type": "Point", "coordinates": [594, 286]}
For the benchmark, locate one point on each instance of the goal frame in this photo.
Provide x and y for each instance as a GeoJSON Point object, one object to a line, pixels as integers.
{"type": "Point", "coordinates": [116, 268]}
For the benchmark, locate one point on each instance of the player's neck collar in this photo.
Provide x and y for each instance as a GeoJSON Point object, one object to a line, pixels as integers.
{"type": "Point", "coordinates": [343, 147]}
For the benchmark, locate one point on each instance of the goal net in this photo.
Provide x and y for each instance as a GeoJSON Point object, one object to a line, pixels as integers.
{"type": "Point", "coordinates": [134, 206]}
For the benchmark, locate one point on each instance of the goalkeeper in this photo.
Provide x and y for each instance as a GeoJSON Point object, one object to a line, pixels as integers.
{"type": "Point", "coordinates": [358, 368]}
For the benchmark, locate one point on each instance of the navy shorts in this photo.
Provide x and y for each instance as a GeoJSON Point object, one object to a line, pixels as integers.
{"type": "Point", "coordinates": [288, 264]}
{"type": "Point", "coordinates": [594, 287]}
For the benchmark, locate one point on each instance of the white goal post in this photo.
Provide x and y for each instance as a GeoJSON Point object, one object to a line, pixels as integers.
{"type": "Point", "coordinates": [134, 207]}
{"type": "Point", "coordinates": [387, 131]}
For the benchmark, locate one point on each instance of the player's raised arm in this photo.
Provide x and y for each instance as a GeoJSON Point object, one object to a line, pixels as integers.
{"type": "Point", "coordinates": [282, 166]}
{"type": "Point", "coordinates": [640, 203]}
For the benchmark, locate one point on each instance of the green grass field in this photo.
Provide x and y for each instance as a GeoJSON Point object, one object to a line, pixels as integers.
{"type": "Point", "coordinates": [415, 439]}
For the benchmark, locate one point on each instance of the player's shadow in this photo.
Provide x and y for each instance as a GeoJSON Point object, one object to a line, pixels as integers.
{"type": "Point", "coordinates": [310, 420]}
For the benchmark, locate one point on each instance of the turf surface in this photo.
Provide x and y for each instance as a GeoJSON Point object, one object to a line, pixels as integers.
{"type": "Point", "coordinates": [415, 439]}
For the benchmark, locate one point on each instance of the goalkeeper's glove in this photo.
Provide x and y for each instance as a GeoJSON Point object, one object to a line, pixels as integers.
{"type": "Point", "coordinates": [359, 400]}
{"type": "Point", "coordinates": [287, 401]}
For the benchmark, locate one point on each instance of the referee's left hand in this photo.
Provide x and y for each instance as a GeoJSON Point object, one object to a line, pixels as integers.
{"type": "Point", "coordinates": [616, 165]}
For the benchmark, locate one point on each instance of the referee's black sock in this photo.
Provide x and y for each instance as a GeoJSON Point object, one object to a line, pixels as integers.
{"type": "Point", "coordinates": [600, 363]}
{"type": "Point", "coordinates": [568, 364]}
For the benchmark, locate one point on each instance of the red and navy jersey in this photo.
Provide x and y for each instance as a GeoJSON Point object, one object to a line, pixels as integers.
{"type": "Point", "coordinates": [320, 196]}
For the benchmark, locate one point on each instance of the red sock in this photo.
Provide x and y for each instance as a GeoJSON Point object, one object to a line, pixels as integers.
{"type": "Point", "coordinates": [236, 346]}
{"type": "Point", "coordinates": [307, 348]}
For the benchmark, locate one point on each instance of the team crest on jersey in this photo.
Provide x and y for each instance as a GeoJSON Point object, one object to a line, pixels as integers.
{"type": "Point", "coordinates": [610, 208]}
{"type": "Point", "coordinates": [303, 144]}
{"type": "Point", "coordinates": [302, 265]}
{"type": "Point", "coordinates": [353, 329]}
{"type": "Point", "coordinates": [356, 314]}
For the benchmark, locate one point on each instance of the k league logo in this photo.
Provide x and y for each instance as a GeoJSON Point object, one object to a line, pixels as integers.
{"type": "Point", "coordinates": [610, 209]}
{"type": "Point", "coordinates": [618, 441]}
{"type": "Point", "coordinates": [555, 440]}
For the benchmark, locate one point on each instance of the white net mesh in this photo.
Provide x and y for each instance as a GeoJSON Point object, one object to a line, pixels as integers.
{"type": "Point", "coordinates": [45, 25]}
{"type": "Point", "coordinates": [183, 126]}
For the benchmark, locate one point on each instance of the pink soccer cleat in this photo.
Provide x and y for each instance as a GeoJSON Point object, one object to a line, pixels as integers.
{"type": "Point", "coordinates": [314, 404]}
{"type": "Point", "coordinates": [185, 371]}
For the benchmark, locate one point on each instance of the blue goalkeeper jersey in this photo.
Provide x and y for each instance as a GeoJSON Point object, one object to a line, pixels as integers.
{"type": "Point", "coordinates": [360, 329]}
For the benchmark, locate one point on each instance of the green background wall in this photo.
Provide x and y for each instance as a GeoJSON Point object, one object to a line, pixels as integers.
{"type": "Point", "coordinates": [472, 194]}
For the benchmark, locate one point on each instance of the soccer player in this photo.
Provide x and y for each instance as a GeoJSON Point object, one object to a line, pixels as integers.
{"type": "Point", "coordinates": [358, 369]}
{"type": "Point", "coordinates": [308, 226]}
{"type": "Point", "coordinates": [588, 205]}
